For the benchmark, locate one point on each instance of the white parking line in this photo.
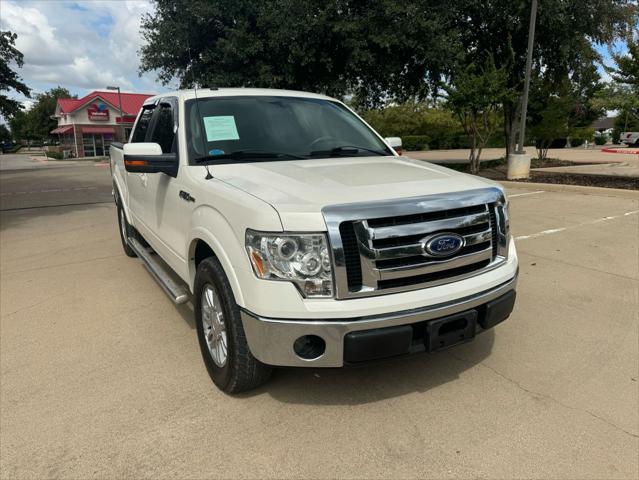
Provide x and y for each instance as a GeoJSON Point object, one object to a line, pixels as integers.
{"type": "Point", "coordinates": [557, 230]}
{"type": "Point", "coordinates": [527, 193]}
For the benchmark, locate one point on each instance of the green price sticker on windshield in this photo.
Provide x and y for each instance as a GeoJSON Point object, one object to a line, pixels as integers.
{"type": "Point", "coordinates": [220, 128]}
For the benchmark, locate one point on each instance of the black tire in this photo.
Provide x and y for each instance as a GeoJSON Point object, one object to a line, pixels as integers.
{"type": "Point", "coordinates": [241, 371]}
{"type": "Point", "coordinates": [125, 231]}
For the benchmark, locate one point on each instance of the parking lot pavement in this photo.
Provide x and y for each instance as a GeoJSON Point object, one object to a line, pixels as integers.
{"type": "Point", "coordinates": [101, 375]}
{"type": "Point", "coordinates": [27, 182]}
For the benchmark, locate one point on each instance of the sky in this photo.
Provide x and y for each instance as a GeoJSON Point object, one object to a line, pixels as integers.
{"type": "Point", "coordinates": [85, 45]}
{"type": "Point", "coordinates": [80, 45]}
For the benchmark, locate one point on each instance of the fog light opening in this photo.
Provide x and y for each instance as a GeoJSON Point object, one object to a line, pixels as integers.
{"type": "Point", "coordinates": [309, 347]}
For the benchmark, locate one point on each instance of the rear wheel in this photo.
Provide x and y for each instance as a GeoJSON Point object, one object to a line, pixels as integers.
{"type": "Point", "coordinates": [220, 333]}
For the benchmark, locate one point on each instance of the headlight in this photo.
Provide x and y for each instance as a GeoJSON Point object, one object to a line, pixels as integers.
{"type": "Point", "coordinates": [299, 258]}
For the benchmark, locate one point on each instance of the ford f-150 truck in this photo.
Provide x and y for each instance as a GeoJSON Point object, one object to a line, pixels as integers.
{"type": "Point", "coordinates": [302, 238]}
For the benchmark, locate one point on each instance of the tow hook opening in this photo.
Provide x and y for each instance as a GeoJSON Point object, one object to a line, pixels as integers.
{"type": "Point", "coordinates": [309, 347]}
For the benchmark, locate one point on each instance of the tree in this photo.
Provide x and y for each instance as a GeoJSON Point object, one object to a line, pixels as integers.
{"type": "Point", "coordinates": [36, 123]}
{"type": "Point", "coordinates": [626, 68]}
{"type": "Point", "coordinates": [5, 134]}
{"type": "Point", "coordinates": [566, 30]}
{"type": "Point", "coordinates": [9, 79]}
{"type": "Point", "coordinates": [38, 119]}
{"type": "Point", "coordinates": [476, 95]}
{"type": "Point", "coordinates": [622, 93]}
{"type": "Point", "coordinates": [18, 126]}
{"type": "Point", "coordinates": [375, 50]}
{"type": "Point", "coordinates": [563, 108]}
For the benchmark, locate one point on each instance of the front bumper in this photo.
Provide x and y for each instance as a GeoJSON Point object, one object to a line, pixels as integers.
{"type": "Point", "coordinates": [271, 340]}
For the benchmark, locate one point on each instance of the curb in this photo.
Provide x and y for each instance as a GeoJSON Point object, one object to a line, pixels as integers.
{"type": "Point", "coordinates": [579, 189]}
{"type": "Point", "coordinates": [627, 151]}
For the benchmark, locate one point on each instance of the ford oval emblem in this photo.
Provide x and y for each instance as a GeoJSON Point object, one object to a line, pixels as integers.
{"type": "Point", "coordinates": [443, 245]}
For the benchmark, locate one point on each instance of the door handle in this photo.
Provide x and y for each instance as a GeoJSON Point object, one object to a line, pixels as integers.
{"type": "Point", "coordinates": [186, 196]}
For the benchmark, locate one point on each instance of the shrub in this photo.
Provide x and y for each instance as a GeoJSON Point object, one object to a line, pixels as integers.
{"type": "Point", "coordinates": [55, 155]}
{"type": "Point", "coordinates": [601, 140]}
{"type": "Point", "coordinates": [415, 142]}
{"type": "Point", "coordinates": [616, 136]}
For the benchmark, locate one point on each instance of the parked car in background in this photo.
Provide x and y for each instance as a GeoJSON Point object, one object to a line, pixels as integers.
{"type": "Point", "coordinates": [301, 236]}
{"type": "Point", "coordinates": [630, 138]}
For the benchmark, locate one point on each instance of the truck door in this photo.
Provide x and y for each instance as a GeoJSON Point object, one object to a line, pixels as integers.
{"type": "Point", "coordinates": [168, 213]}
{"type": "Point", "coordinates": [137, 182]}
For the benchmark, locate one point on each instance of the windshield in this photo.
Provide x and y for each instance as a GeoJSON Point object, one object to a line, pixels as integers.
{"type": "Point", "coordinates": [244, 129]}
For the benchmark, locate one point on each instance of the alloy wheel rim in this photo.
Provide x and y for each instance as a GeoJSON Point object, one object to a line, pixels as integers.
{"type": "Point", "coordinates": [214, 327]}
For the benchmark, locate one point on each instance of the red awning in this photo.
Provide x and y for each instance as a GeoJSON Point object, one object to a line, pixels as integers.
{"type": "Point", "coordinates": [98, 130]}
{"type": "Point", "coordinates": [63, 130]}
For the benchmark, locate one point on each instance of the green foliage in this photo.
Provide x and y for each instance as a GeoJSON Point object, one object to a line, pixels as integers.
{"type": "Point", "coordinates": [36, 123]}
{"type": "Point", "coordinates": [412, 143]}
{"type": "Point", "coordinates": [55, 155]}
{"type": "Point", "coordinates": [601, 140]}
{"type": "Point", "coordinates": [564, 37]}
{"type": "Point", "coordinates": [580, 134]}
{"type": "Point", "coordinates": [17, 124]}
{"type": "Point", "coordinates": [616, 136]}
{"type": "Point", "coordinates": [411, 119]}
{"type": "Point", "coordinates": [475, 96]}
{"type": "Point", "coordinates": [626, 69]}
{"type": "Point", "coordinates": [372, 49]}
{"type": "Point", "coordinates": [623, 93]}
{"type": "Point", "coordinates": [5, 134]}
{"type": "Point", "coordinates": [9, 79]}
{"type": "Point", "coordinates": [562, 107]}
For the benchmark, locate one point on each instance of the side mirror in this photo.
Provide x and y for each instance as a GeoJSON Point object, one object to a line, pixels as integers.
{"type": "Point", "coordinates": [395, 143]}
{"type": "Point", "coordinates": [148, 158]}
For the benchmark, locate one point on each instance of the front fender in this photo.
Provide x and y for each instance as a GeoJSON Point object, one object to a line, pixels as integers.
{"type": "Point", "coordinates": [227, 247]}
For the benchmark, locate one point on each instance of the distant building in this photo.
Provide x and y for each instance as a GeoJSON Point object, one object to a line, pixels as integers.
{"type": "Point", "coordinates": [88, 125]}
{"type": "Point", "coordinates": [604, 123]}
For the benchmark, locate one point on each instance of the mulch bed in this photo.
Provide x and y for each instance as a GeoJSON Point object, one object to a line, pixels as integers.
{"type": "Point", "coordinates": [608, 181]}
{"type": "Point", "coordinates": [496, 170]}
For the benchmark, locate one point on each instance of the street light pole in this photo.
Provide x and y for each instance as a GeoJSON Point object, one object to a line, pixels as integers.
{"type": "Point", "coordinates": [524, 97]}
{"type": "Point", "coordinates": [119, 103]}
{"type": "Point", "coordinates": [518, 161]}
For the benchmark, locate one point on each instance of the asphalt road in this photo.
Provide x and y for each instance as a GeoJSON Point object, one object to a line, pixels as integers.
{"type": "Point", "coordinates": [101, 376]}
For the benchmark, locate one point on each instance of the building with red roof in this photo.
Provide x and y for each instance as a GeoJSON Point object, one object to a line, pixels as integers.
{"type": "Point", "coordinates": [88, 125]}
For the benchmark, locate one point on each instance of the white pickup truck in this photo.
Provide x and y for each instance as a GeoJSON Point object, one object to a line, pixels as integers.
{"type": "Point", "coordinates": [300, 235]}
{"type": "Point", "coordinates": [630, 138]}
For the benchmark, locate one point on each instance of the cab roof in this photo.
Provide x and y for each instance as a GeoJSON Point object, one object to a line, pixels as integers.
{"type": "Point", "coordinates": [236, 92]}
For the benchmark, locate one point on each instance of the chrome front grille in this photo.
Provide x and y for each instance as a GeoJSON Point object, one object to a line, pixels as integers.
{"type": "Point", "coordinates": [378, 248]}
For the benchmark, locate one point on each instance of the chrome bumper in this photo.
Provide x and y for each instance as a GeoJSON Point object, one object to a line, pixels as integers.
{"type": "Point", "coordinates": [271, 340]}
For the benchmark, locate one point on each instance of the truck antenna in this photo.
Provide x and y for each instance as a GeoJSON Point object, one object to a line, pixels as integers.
{"type": "Point", "coordinates": [197, 103]}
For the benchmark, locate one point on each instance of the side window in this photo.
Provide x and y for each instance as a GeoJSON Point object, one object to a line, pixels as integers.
{"type": "Point", "coordinates": [142, 126]}
{"type": "Point", "coordinates": [163, 131]}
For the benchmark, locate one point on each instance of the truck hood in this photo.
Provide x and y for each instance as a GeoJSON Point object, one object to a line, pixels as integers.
{"type": "Point", "coordinates": [298, 190]}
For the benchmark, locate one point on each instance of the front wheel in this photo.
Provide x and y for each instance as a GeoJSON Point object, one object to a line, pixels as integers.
{"type": "Point", "coordinates": [220, 333]}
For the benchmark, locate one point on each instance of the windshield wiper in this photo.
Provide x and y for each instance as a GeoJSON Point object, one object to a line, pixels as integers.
{"type": "Point", "coordinates": [346, 149]}
{"type": "Point", "coordinates": [247, 154]}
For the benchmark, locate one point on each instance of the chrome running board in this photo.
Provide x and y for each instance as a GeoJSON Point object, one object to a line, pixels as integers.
{"type": "Point", "coordinates": [172, 286]}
